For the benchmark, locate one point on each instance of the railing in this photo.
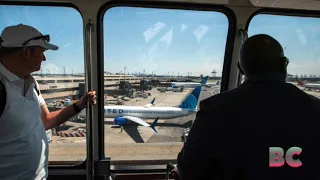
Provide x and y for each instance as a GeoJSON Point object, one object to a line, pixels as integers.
{"type": "Point", "coordinates": [88, 62]}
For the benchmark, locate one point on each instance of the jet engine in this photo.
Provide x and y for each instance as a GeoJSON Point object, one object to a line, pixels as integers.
{"type": "Point", "coordinates": [120, 121]}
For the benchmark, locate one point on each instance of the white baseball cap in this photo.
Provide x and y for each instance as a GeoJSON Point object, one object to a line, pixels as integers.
{"type": "Point", "coordinates": [23, 35]}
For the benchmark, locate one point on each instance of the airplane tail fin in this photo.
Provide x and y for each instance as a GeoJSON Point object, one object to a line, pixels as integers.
{"type": "Point", "coordinates": [300, 83]}
{"type": "Point", "coordinates": [191, 101]}
{"type": "Point", "coordinates": [152, 102]}
{"type": "Point", "coordinates": [218, 83]}
{"type": "Point", "coordinates": [154, 124]}
{"type": "Point", "coordinates": [204, 80]}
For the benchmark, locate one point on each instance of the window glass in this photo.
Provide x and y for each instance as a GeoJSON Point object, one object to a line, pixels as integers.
{"type": "Point", "coordinates": [61, 75]}
{"type": "Point", "coordinates": [146, 53]}
{"type": "Point", "coordinates": [300, 38]}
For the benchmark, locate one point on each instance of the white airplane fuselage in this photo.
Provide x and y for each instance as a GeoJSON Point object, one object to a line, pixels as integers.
{"type": "Point", "coordinates": [315, 86]}
{"type": "Point", "coordinates": [185, 85]}
{"type": "Point", "coordinates": [146, 112]}
{"type": "Point", "coordinates": [190, 84]}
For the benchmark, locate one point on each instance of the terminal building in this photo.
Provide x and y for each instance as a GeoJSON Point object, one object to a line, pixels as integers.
{"type": "Point", "coordinates": [55, 87]}
{"type": "Point", "coordinates": [58, 87]}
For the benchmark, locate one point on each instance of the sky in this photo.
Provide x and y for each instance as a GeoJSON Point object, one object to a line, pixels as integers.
{"type": "Point", "coordinates": [174, 42]}
{"type": "Point", "coordinates": [299, 36]}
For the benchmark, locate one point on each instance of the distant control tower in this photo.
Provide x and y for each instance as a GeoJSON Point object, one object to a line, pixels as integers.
{"type": "Point", "coordinates": [214, 72]}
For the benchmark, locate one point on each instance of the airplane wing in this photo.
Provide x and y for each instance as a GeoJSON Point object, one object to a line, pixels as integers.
{"type": "Point", "coordinates": [137, 120]}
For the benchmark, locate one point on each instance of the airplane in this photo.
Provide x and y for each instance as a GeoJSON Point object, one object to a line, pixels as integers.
{"type": "Point", "coordinates": [308, 86]}
{"type": "Point", "coordinates": [193, 84]}
{"type": "Point", "coordinates": [212, 84]}
{"type": "Point", "coordinates": [123, 114]}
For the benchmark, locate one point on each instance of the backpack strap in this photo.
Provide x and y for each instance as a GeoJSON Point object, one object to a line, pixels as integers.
{"type": "Point", "coordinates": [36, 87]}
{"type": "Point", "coordinates": [3, 97]}
{"type": "Point", "coordinates": [37, 90]}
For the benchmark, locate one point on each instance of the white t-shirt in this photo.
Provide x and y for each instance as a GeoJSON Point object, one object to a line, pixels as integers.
{"type": "Point", "coordinates": [23, 141]}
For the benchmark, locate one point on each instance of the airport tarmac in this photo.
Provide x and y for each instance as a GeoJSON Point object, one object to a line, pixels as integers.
{"type": "Point", "coordinates": [135, 142]}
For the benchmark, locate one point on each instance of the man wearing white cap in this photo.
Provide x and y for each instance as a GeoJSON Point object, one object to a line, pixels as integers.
{"type": "Point", "coordinates": [24, 117]}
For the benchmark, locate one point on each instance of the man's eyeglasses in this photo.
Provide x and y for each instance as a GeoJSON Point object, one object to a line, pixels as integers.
{"type": "Point", "coordinates": [286, 61]}
{"type": "Point", "coordinates": [45, 37]}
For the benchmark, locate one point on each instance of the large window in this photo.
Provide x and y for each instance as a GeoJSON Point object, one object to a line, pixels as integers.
{"type": "Point", "coordinates": [61, 74]}
{"type": "Point", "coordinates": [300, 38]}
{"type": "Point", "coordinates": [162, 54]}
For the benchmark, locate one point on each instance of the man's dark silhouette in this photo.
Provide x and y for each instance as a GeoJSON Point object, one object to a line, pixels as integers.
{"type": "Point", "coordinates": [233, 130]}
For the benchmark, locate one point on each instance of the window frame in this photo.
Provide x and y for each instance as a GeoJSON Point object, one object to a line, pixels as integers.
{"type": "Point", "coordinates": [282, 12]}
{"type": "Point", "coordinates": [155, 165]}
{"type": "Point", "coordinates": [73, 165]}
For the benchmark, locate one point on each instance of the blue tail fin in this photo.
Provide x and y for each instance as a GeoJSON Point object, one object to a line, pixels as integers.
{"type": "Point", "coordinates": [152, 102]}
{"type": "Point", "coordinates": [204, 80]}
{"type": "Point", "coordinates": [154, 124]}
{"type": "Point", "coordinates": [191, 101]}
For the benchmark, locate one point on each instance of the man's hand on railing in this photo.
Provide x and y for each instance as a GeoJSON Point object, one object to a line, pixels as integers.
{"type": "Point", "coordinates": [175, 173]}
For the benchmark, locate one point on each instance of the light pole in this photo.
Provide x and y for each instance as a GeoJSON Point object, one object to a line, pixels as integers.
{"type": "Point", "coordinates": [124, 76]}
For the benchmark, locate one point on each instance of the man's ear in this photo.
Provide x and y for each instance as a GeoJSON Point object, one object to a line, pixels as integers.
{"type": "Point", "coordinates": [284, 61]}
{"type": "Point", "coordinates": [25, 53]}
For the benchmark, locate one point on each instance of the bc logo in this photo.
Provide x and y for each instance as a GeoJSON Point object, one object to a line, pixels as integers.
{"type": "Point", "coordinates": [277, 158]}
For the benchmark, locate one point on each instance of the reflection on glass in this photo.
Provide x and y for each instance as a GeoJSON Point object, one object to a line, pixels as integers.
{"type": "Point", "coordinates": [300, 38]}
{"type": "Point", "coordinates": [146, 52]}
{"type": "Point", "coordinates": [61, 74]}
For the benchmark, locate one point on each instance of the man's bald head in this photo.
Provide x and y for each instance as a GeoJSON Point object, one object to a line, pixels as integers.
{"type": "Point", "coordinates": [262, 54]}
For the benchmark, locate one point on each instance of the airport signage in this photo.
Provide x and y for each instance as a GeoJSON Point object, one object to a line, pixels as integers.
{"type": "Point", "coordinates": [277, 157]}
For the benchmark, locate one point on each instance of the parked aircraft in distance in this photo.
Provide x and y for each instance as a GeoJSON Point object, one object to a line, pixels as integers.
{"type": "Point", "coordinates": [308, 86]}
{"type": "Point", "coordinates": [193, 84]}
